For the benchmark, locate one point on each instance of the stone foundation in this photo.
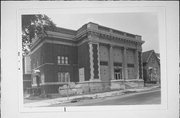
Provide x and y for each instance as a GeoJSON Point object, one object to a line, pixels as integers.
{"type": "Point", "coordinates": [133, 84]}
{"type": "Point", "coordinates": [96, 87]}
{"type": "Point", "coordinates": [91, 87]}
{"type": "Point", "coordinates": [117, 85]}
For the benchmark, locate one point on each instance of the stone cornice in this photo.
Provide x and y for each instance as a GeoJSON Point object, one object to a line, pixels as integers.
{"type": "Point", "coordinates": [60, 35]}
{"type": "Point", "coordinates": [100, 33]}
{"type": "Point", "coordinates": [94, 34]}
{"type": "Point", "coordinates": [113, 36]}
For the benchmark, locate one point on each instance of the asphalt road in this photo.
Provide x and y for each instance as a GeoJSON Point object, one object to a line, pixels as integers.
{"type": "Point", "coordinates": [135, 99]}
{"type": "Point", "coordinates": [151, 97]}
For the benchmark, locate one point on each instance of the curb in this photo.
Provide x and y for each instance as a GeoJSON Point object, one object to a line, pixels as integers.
{"type": "Point", "coordinates": [93, 96]}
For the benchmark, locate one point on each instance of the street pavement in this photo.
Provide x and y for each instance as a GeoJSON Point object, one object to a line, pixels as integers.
{"type": "Point", "coordinates": [92, 98]}
{"type": "Point", "coordinates": [135, 99]}
{"type": "Point", "coordinates": [149, 97]}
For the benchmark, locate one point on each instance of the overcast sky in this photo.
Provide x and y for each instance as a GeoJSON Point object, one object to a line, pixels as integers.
{"type": "Point", "coordinates": [144, 24]}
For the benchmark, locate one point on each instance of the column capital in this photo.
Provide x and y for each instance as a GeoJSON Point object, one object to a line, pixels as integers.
{"type": "Point", "coordinates": [92, 42]}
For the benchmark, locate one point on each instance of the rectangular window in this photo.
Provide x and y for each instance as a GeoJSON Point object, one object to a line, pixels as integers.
{"type": "Point", "coordinates": [67, 77]}
{"type": "Point", "coordinates": [105, 63]}
{"type": "Point", "coordinates": [66, 60]}
{"type": "Point", "coordinates": [130, 65]}
{"type": "Point", "coordinates": [117, 64]}
{"type": "Point", "coordinates": [63, 77]}
{"type": "Point", "coordinates": [62, 60]}
{"type": "Point", "coordinates": [59, 59]}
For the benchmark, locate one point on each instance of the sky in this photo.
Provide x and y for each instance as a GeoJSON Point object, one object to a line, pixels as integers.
{"type": "Point", "coordinates": [144, 24]}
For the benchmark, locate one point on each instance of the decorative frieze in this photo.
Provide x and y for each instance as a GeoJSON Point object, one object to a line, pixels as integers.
{"type": "Point", "coordinates": [94, 61]}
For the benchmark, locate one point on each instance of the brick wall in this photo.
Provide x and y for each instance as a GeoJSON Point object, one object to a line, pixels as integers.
{"type": "Point", "coordinates": [61, 50]}
{"type": "Point", "coordinates": [46, 58]}
{"type": "Point", "coordinates": [83, 59]}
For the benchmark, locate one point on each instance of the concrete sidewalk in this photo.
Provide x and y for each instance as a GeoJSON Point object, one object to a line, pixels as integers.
{"type": "Point", "coordinates": [61, 100]}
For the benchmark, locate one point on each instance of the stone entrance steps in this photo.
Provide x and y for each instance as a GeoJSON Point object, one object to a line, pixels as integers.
{"type": "Point", "coordinates": [131, 85]}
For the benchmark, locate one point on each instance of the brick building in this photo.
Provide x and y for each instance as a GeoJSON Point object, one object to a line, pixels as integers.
{"type": "Point", "coordinates": [93, 54]}
{"type": "Point", "coordinates": [151, 67]}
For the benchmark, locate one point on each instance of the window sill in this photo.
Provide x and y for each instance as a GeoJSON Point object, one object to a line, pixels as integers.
{"type": "Point", "coordinates": [120, 80]}
{"type": "Point", "coordinates": [63, 64]}
{"type": "Point", "coordinates": [91, 80]}
{"type": "Point", "coordinates": [128, 80]}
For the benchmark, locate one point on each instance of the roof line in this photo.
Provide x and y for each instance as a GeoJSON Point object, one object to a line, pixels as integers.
{"type": "Point", "coordinates": [150, 55]}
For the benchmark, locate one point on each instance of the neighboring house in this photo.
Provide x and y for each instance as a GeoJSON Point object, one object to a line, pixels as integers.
{"type": "Point", "coordinates": [26, 73]}
{"type": "Point", "coordinates": [151, 67]}
{"type": "Point", "coordinates": [94, 56]}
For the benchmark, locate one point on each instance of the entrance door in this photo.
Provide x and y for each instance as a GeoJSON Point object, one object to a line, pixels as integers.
{"type": "Point", "coordinates": [118, 73]}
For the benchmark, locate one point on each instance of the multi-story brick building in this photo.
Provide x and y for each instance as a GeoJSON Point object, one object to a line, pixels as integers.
{"type": "Point", "coordinates": [92, 54]}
